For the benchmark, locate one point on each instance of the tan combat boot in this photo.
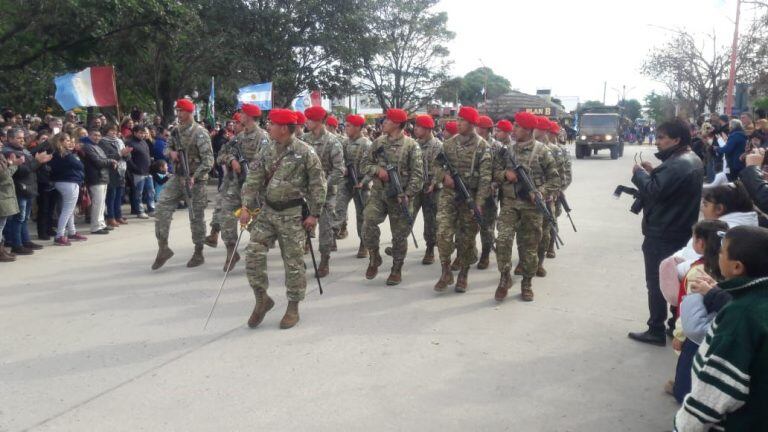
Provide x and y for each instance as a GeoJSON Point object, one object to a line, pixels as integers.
{"type": "Point", "coordinates": [291, 316]}
{"type": "Point", "coordinates": [334, 248]}
{"type": "Point", "coordinates": [526, 289]}
{"type": "Point", "coordinates": [263, 305]}
{"type": "Point", "coordinates": [231, 255]}
{"type": "Point", "coordinates": [373, 264]}
{"type": "Point", "coordinates": [461, 281]}
{"type": "Point", "coordinates": [322, 269]}
{"type": "Point", "coordinates": [343, 233]}
{"type": "Point", "coordinates": [362, 252]}
{"type": "Point", "coordinates": [446, 278]}
{"type": "Point", "coordinates": [551, 251]}
{"type": "Point", "coordinates": [395, 276]}
{"type": "Point", "coordinates": [429, 255]}
{"type": "Point", "coordinates": [519, 269]}
{"type": "Point", "coordinates": [540, 271]}
{"type": "Point", "coordinates": [455, 266]}
{"type": "Point", "coordinates": [164, 253]}
{"type": "Point", "coordinates": [213, 238]}
{"type": "Point", "coordinates": [484, 258]}
{"type": "Point", "coordinates": [197, 257]}
{"type": "Point", "coordinates": [505, 283]}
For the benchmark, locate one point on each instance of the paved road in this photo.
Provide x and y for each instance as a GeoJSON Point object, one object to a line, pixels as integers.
{"type": "Point", "coordinates": [92, 340]}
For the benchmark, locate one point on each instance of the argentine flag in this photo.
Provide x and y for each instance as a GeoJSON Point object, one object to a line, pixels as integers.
{"type": "Point", "coordinates": [257, 94]}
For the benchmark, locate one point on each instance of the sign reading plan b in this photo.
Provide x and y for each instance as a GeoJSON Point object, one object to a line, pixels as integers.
{"type": "Point", "coordinates": [257, 94]}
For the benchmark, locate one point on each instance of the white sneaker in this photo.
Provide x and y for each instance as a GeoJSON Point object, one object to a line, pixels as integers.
{"type": "Point", "coordinates": [143, 216]}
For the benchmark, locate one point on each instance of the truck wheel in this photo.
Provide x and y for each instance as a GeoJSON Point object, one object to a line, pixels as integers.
{"type": "Point", "coordinates": [615, 152]}
{"type": "Point", "coordinates": [579, 152]}
{"type": "Point", "coordinates": [621, 150]}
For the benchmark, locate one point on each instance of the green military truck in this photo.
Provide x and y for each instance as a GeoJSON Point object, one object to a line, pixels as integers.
{"type": "Point", "coordinates": [599, 129]}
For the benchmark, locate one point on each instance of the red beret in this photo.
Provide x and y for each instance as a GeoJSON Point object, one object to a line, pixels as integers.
{"type": "Point", "coordinates": [542, 123]}
{"type": "Point", "coordinates": [315, 113]}
{"type": "Point", "coordinates": [504, 125]}
{"type": "Point", "coordinates": [425, 121]}
{"type": "Point", "coordinates": [251, 110]}
{"type": "Point", "coordinates": [356, 120]}
{"type": "Point", "coordinates": [397, 115]}
{"type": "Point", "coordinates": [300, 118]}
{"type": "Point", "coordinates": [282, 116]}
{"type": "Point", "coordinates": [554, 127]}
{"type": "Point", "coordinates": [332, 121]}
{"type": "Point", "coordinates": [236, 117]}
{"type": "Point", "coordinates": [469, 114]}
{"type": "Point", "coordinates": [185, 105]}
{"type": "Point", "coordinates": [452, 127]}
{"type": "Point", "coordinates": [485, 122]}
{"type": "Point", "coordinates": [526, 120]}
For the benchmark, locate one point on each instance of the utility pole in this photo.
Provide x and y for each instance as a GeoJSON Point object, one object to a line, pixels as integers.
{"type": "Point", "coordinates": [605, 88]}
{"type": "Point", "coordinates": [732, 74]}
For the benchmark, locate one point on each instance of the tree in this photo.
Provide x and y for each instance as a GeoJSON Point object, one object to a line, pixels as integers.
{"type": "Point", "coordinates": [591, 104]}
{"type": "Point", "coordinates": [468, 90]}
{"type": "Point", "coordinates": [407, 58]}
{"type": "Point", "coordinates": [660, 107]}
{"type": "Point", "coordinates": [632, 108]}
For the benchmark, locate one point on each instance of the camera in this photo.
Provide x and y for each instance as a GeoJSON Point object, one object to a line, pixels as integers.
{"type": "Point", "coordinates": [637, 204]}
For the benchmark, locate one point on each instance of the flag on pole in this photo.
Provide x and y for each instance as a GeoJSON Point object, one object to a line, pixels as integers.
{"type": "Point", "coordinates": [93, 86]}
{"type": "Point", "coordinates": [257, 94]}
{"type": "Point", "coordinates": [210, 110]}
{"type": "Point", "coordinates": [301, 102]}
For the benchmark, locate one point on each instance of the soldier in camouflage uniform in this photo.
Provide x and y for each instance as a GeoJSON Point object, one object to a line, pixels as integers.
{"type": "Point", "coordinates": [328, 149]}
{"type": "Point", "coordinates": [519, 214]}
{"type": "Point", "coordinates": [332, 126]}
{"type": "Point", "coordinates": [236, 156]}
{"type": "Point", "coordinates": [212, 239]}
{"type": "Point", "coordinates": [355, 146]}
{"type": "Point", "coordinates": [286, 174]}
{"type": "Point", "coordinates": [566, 176]}
{"type": "Point", "coordinates": [405, 155]}
{"type": "Point", "coordinates": [468, 153]}
{"type": "Point", "coordinates": [427, 198]}
{"type": "Point", "coordinates": [490, 207]}
{"type": "Point", "coordinates": [301, 120]}
{"type": "Point", "coordinates": [195, 142]}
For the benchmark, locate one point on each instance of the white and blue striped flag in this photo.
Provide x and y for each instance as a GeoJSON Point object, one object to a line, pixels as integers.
{"type": "Point", "coordinates": [257, 94]}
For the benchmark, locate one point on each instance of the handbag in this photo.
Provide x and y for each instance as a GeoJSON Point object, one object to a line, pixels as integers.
{"type": "Point", "coordinates": [85, 200]}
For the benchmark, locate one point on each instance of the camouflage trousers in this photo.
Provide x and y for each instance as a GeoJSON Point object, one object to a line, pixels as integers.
{"type": "Point", "coordinates": [455, 220]}
{"type": "Point", "coordinates": [230, 201]}
{"type": "Point", "coordinates": [169, 200]}
{"type": "Point", "coordinates": [216, 216]}
{"type": "Point", "coordinates": [378, 207]}
{"type": "Point", "coordinates": [524, 220]}
{"type": "Point", "coordinates": [286, 228]}
{"type": "Point", "coordinates": [546, 234]}
{"type": "Point", "coordinates": [488, 229]}
{"type": "Point", "coordinates": [427, 203]}
{"type": "Point", "coordinates": [327, 216]}
{"type": "Point", "coordinates": [347, 194]}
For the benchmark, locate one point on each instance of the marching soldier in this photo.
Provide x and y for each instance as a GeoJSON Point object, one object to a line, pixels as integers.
{"type": "Point", "coordinates": [519, 214]}
{"type": "Point", "coordinates": [195, 143]}
{"type": "Point", "coordinates": [566, 176]}
{"type": "Point", "coordinates": [287, 175]}
{"type": "Point", "coordinates": [404, 154]}
{"type": "Point", "coordinates": [212, 239]}
{"type": "Point", "coordinates": [451, 129]}
{"type": "Point", "coordinates": [427, 197]}
{"type": "Point", "coordinates": [354, 146]}
{"type": "Point", "coordinates": [332, 125]}
{"type": "Point", "coordinates": [490, 208]}
{"type": "Point", "coordinates": [542, 135]}
{"type": "Point", "coordinates": [328, 149]}
{"type": "Point", "coordinates": [236, 156]}
{"type": "Point", "coordinates": [468, 154]}
{"type": "Point", "coordinates": [301, 120]}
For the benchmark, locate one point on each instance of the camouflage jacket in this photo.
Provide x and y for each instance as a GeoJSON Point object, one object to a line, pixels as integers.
{"type": "Point", "coordinates": [354, 151]}
{"type": "Point", "coordinates": [328, 149]}
{"type": "Point", "coordinates": [540, 165]}
{"type": "Point", "coordinates": [429, 150]}
{"type": "Point", "coordinates": [471, 157]}
{"type": "Point", "coordinates": [404, 153]}
{"type": "Point", "coordinates": [566, 176]}
{"type": "Point", "coordinates": [279, 176]}
{"type": "Point", "coordinates": [195, 141]}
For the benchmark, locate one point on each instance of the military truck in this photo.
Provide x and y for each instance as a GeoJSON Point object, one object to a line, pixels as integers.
{"type": "Point", "coordinates": [600, 128]}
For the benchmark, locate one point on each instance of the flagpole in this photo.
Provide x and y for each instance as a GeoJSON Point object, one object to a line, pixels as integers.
{"type": "Point", "coordinates": [117, 100]}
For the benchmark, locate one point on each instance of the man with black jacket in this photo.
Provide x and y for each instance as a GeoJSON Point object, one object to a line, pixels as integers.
{"type": "Point", "coordinates": [753, 179]}
{"type": "Point", "coordinates": [138, 165]}
{"type": "Point", "coordinates": [97, 167]}
{"type": "Point", "coordinates": [671, 196]}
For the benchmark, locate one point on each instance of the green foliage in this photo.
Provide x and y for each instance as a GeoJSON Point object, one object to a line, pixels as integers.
{"type": "Point", "coordinates": [659, 107]}
{"type": "Point", "coordinates": [468, 90]}
{"type": "Point", "coordinates": [761, 103]}
{"type": "Point", "coordinates": [591, 104]}
{"type": "Point", "coordinates": [632, 108]}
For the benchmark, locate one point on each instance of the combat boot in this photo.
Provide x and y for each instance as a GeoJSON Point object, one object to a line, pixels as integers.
{"type": "Point", "coordinates": [505, 283]}
{"type": "Point", "coordinates": [519, 269]}
{"type": "Point", "coordinates": [455, 266]}
{"type": "Point", "coordinates": [334, 248]}
{"type": "Point", "coordinates": [373, 264]}
{"type": "Point", "coordinates": [445, 279]}
{"type": "Point", "coordinates": [362, 252]}
{"type": "Point", "coordinates": [395, 276]}
{"type": "Point", "coordinates": [429, 255]}
{"type": "Point", "coordinates": [213, 238]}
{"type": "Point", "coordinates": [526, 289]}
{"type": "Point", "coordinates": [551, 251]}
{"type": "Point", "coordinates": [343, 233]}
{"type": "Point", "coordinates": [541, 271]}
{"type": "Point", "coordinates": [164, 253]}
{"type": "Point", "coordinates": [461, 281]}
{"type": "Point", "coordinates": [5, 256]}
{"type": "Point", "coordinates": [263, 305]}
{"type": "Point", "coordinates": [291, 316]}
{"type": "Point", "coordinates": [322, 269]}
{"type": "Point", "coordinates": [231, 255]}
{"type": "Point", "coordinates": [197, 257]}
{"type": "Point", "coordinates": [484, 258]}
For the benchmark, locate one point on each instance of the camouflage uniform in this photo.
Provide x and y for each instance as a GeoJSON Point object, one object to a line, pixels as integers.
{"type": "Point", "coordinates": [428, 202]}
{"type": "Point", "coordinates": [566, 175]}
{"type": "Point", "coordinates": [490, 206]}
{"type": "Point", "coordinates": [518, 214]}
{"type": "Point", "coordinates": [328, 149]}
{"type": "Point", "coordinates": [354, 150]}
{"type": "Point", "coordinates": [469, 155]}
{"type": "Point", "coordinates": [195, 141]}
{"type": "Point", "coordinates": [404, 153]}
{"type": "Point", "coordinates": [296, 174]}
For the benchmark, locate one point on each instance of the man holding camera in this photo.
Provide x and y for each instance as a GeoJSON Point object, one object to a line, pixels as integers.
{"type": "Point", "coordinates": [671, 195]}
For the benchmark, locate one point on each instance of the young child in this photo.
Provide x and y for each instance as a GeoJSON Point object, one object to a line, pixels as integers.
{"type": "Point", "coordinates": [730, 371]}
{"type": "Point", "coordinates": [159, 171]}
{"type": "Point", "coordinates": [706, 243]}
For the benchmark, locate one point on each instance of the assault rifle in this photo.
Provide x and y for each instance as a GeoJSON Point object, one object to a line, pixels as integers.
{"type": "Point", "coordinates": [355, 180]}
{"type": "Point", "coordinates": [395, 189]}
{"type": "Point", "coordinates": [567, 208]}
{"type": "Point", "coordinates": [462, 193]}
{"type": "Point", "coordinates": [185, 175]}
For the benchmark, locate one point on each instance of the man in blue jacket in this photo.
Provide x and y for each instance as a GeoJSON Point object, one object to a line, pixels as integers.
{"type": "Point", "coordinates": [734, 147]}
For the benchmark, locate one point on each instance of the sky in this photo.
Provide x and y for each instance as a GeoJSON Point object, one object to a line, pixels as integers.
{"type": "Point", "coordinates": [583, 43]}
